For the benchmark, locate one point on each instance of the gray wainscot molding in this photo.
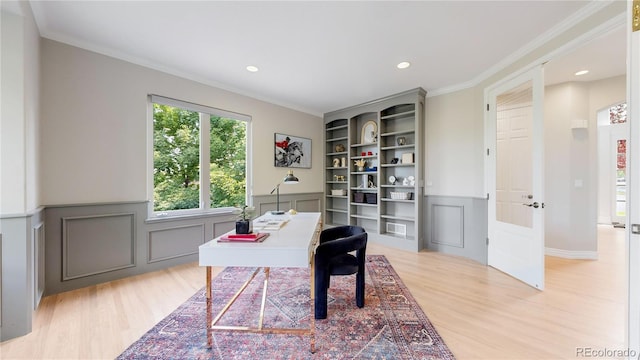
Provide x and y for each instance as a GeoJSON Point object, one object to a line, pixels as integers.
{"type": "Point", "coordinates": [457, 226]}
{"type": "Point", "coordinates": [22, 256]}
{"type": "Point", "coordinates": [304, 202]}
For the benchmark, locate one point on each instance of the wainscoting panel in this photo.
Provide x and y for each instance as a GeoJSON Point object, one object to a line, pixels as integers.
{"type": "Point", "coordinates": [38, 263]}
{"type": "Point", "coordinates": [448, 225]}
{"type": "Point", "coordinates": [97, 244]}
{"type": "Point", "coordinates": [457, 226]}
{"type": "Point", "coordinates": [220, 228]}
{"type": "Point", "coordinates": [307, 202]}
{"type": "Point", "coordinates": [174, 242]}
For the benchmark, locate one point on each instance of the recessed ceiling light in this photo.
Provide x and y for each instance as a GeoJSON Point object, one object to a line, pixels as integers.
{"type": "Point", "coordinates": [252, 68]}
{"type": "Point", "coordinates": [582, 72]}
{"type": "Point", "coordinates": [403, 65]}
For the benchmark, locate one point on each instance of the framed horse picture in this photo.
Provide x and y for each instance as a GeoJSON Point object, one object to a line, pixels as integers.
{"type": "Point", "coordinates": [292, 151]}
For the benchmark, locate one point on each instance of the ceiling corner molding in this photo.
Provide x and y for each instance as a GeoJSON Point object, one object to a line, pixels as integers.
{"type": "Point", "coordinates": [591, 8]}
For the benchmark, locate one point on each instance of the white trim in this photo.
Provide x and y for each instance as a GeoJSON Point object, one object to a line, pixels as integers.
{"type": "Point", "coordinates": [593, 7]}
{"type": "Point", "coordinates": [570, 254]}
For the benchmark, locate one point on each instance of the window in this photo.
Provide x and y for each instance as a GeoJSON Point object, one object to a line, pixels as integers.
{"type": "Point", "coordinates": [199, 157]}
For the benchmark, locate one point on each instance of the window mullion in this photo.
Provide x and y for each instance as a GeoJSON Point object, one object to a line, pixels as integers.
{"type": "Point", "coordinates": [205, 171]}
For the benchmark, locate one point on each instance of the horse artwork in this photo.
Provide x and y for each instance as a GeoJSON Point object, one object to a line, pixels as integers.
{"type": "Point", "coordinates": [292, 151]}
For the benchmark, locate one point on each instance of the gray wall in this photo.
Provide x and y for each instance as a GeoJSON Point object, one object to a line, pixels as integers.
{"type": "Point", "coordinates": [457, 226]}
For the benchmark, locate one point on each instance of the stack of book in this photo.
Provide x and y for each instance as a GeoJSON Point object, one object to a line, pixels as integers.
{"type": "Point", "coordinates": [253, 237]}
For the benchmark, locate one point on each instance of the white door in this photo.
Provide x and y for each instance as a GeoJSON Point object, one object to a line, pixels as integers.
{"type": "Point", "coordinates": [633, 175]}
{"type": "Point", "coordinates": [515, 176]}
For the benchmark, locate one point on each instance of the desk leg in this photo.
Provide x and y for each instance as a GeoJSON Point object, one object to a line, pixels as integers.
{"type": "Point", "coordinates": [209, 308]}
{"type": "Point", "coordinates": [312, 330]}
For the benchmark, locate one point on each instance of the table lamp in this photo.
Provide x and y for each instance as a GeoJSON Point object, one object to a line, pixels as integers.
{"type": "Point", "coordinates": [289, 179]}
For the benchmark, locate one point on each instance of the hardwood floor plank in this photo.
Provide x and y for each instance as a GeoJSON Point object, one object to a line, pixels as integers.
{"type": "Point", "coordinates": [480, 312]}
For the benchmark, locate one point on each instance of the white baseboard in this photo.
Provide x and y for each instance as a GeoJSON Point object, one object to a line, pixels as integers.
{"type": "Point", "coordinates": [571, 254]}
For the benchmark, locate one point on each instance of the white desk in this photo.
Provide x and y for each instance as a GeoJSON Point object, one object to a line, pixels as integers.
{"type": "Point", "coordinates": [291, 246]}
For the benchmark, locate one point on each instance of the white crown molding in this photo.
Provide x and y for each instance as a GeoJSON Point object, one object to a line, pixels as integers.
{"type": "Point", "coordinates": [577, 17]}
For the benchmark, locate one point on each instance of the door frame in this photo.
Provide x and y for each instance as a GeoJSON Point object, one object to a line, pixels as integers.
{"type": "Point", "coordinates": [534, 273]}
{"type": "Point", "coordinates": [633, 185]}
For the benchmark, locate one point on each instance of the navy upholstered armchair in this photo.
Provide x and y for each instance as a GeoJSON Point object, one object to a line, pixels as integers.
{"type": "Point", "coordinates": [333, 258]}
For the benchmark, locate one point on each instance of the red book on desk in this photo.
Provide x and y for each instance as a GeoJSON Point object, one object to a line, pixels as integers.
{"type": "Point", "coordinates": [254, 237]}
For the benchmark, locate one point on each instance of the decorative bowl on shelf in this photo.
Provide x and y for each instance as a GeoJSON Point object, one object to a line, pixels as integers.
{"type": "Point", "coordinates": [339, 148]}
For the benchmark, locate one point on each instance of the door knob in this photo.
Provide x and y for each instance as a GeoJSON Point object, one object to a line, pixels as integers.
{"type": "Point", "coordinates": [534, 205]}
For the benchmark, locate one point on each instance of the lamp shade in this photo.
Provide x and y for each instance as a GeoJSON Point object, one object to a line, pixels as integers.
{"type": "Point", "coordinates": [290, 178]}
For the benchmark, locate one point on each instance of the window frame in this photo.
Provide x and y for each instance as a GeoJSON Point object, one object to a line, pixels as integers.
{"type": "Point", "coordinates": [205, 143]}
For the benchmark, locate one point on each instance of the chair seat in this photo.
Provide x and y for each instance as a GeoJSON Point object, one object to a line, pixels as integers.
{"type": "Point", "coordinates": [344, 264]}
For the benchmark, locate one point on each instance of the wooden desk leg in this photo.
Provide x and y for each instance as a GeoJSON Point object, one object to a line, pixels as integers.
{"type": "Point", "coordinates": [209, 309]}
{"type": "Point", "coordinates": [312, 330]}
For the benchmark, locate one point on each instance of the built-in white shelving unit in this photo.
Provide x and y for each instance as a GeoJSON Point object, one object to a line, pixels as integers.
{"type": "Point", "coordinates": [385, 195]}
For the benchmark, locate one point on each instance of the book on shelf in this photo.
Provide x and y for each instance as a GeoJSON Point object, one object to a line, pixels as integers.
{"type": "Point", "coordinates": [253, 237]}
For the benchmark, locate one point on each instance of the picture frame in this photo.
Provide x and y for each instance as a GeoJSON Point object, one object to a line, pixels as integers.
{"type": "Point", "coordinates": [291, 151]}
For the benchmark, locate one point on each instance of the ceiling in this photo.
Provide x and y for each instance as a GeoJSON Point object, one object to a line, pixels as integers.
{"type": "Point", "coordinates": [320, 56]}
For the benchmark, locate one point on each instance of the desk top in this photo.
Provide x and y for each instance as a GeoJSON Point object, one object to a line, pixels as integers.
{"type": "Point", "coordinates": [291, 246]}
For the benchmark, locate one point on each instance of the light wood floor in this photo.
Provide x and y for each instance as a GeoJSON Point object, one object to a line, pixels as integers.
{"type": "Point", "coordinates": [480, 312]}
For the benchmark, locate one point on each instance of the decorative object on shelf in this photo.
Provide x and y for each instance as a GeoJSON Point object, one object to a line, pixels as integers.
{"type": "Point", "coordinates": [401, 140]}
{"type": "Point", "coordinates": [360, 164]}
{"type": "Point", "coordinates": [401, 195]}
{"type": "Point", "coordinates": [289, 179]}
{"type": "Point", "coordinates": [339, 178]}
{"type": "Point", "coordinates": [373, 168]}
{"type": "Point", "coordinates": [394, 161]}
{"type": "Point", "coordinates": [343, 162]}
{"type": "Point", "coordinates": [407, 158]}
{"type": "Point", "coordinates": [339, 148]}
{"type": "Point", "coordinates": [364, 153]}
{"type": "Point", "coordinates": [336, 162]}
{"type": "Point", "coordinates": [338, 192]}
{"type": "Point", "coordinates": [370, 183]}
{"type": "Point", "coordinates": [369, 134]}
{"type": "Point", "coordinates": [292, 151]}
{"type": "Point", "coordinates": [244, 223]}
{"type": "Point", "coordinates": [392, 180]}
{"type": "Point", "coordinates": [369, 153]}
{"type": "Point", "coordinates": [405, 182]}
{"type": "Point", "coordinates": [371, 198]}
{"type": "Point", "coordinates": [412, 180]}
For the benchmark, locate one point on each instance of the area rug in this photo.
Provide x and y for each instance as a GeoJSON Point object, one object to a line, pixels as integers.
{"type": "Point", "coordinates": [390, 326]}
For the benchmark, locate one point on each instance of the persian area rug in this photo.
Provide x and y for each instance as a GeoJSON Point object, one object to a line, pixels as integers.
{"type": "Point", "coordinates": [390, 326]}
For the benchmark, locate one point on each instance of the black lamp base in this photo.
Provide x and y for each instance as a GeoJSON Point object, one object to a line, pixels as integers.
{"type": "Point", "coordinates": [277, 212]}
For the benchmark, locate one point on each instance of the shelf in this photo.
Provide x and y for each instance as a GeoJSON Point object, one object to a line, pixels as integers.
{"type": "Point", "coordinates": [337, 127]}
{"type": "Point", "coordinates": [363, 172]}
{"type": "Point", "coordinates": [397, 186]}
{"type": "Point", "coordinates": [364, 204]}
{"type": "Point", "coordinates": [365, 157]}
{"type": "Point", "coordinates": [336, 153]}
{"type": "Point", "coordinates": [394, 133]}
{"type": "Point", "coordinates": [364, 217]}
{"type": "Point", "coordinates": [363, 145]}
{"type": "Point", "coordinates": [395, 147]}
{"type": "Point", "coordinates": [398, 115]}
{"type": "Point", "coordinates": [337, 139]}
{"type": "Point", "coordinates": [337, 168]}
{"type": "Point", "coordinates": [398, 165]}
{"type": "Point", "coordinates": [337, 196]}
{"type": "Point", "coordinates": [342, 211]}
{"type": "Point", "coordinates": [336, 182]}
{"type": "Point", "coordinates": [403, 218]}
{"type": "Point", "coordinates": [364, 189]}
{"type": "Point", "coordinates": [398, 200]}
